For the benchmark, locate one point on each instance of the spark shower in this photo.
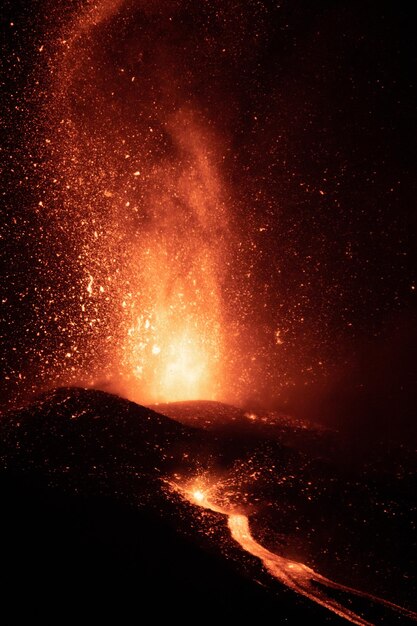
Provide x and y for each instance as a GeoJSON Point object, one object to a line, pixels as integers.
{"type": "Point", "coordinates": [202, 204]}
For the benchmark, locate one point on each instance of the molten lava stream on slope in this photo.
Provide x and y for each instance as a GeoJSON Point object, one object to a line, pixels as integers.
{"type": "Point", "coordinates": [292, 574]}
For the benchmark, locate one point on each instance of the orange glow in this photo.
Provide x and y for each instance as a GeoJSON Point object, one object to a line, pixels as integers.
{"type": "Point", "coordinates": [170, 358]}
{"type": "Point", "coordinates": [203, 491]}
{"type": "Point", "coordinates": [183, 370]}
{"type": "Point", "coordinates": [198, 495]}
{"type": "Point", "coordinates": [174, 344]}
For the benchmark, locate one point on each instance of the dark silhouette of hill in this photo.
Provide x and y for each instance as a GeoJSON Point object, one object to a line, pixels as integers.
{"type": "Point", "coordinates": [87, 531]}
{"type": "Point", "coordinates": [90, 527]}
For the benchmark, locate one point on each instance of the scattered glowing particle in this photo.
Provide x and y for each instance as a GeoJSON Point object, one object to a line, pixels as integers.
{"type": "Point", "coordinates": [156, 349]}
{"type": "Point", "coordinates": [278, 339]}
{"type": "Point", "coordinates": [90, 285]}
{"type": "Point", "coordinates": [137, 173]}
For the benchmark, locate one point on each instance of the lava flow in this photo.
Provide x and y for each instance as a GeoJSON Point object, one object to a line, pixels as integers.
{"type": "Point", "coordinates": [294, 575]}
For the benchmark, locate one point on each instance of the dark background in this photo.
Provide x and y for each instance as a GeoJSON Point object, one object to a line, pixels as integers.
{"type": "Point", "coordinates": [317, 104]}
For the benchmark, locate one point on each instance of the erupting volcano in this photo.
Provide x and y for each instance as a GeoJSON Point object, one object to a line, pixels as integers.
{"type": "Point", "coordinates": [208, 313]}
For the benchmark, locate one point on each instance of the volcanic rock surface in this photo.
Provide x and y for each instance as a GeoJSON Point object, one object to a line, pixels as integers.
{"type": "Point", "coordinates": [93, 525]}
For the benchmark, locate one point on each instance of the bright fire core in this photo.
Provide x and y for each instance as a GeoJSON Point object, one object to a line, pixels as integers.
{"type": "Point", "coordinates": [198, 495]}
{"type": "Point", "coordinates": [177, 366]}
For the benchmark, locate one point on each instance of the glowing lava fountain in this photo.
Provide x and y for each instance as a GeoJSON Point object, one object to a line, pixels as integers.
{"type": "Point", "coordinates": [294, 575]}
{"type": "Point", "coordinates": [137, 194]}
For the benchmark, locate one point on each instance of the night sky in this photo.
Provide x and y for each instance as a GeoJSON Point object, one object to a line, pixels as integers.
{"type": "Point", "coordinates": [270, 165]}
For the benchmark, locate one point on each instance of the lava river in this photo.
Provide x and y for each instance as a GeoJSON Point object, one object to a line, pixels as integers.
{"type": "Point", "coordinates": [292, 574]}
